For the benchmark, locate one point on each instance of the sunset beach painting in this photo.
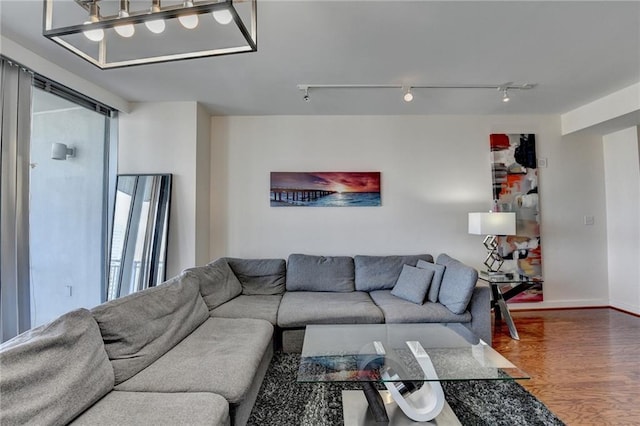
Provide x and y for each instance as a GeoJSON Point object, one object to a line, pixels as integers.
{"type": "Point", "coordinates": [325, 189]}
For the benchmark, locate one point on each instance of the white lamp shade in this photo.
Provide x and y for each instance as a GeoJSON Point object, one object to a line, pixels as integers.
{"type": "Point", "coordinates": [492, 223]}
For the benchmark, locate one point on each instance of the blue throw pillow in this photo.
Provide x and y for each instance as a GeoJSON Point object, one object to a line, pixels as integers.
{"type": "Point", "coordinates": [413, 284]}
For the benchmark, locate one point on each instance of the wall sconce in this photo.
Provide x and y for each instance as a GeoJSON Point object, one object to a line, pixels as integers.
{"type": "Point", "coordinates": [59, 151]}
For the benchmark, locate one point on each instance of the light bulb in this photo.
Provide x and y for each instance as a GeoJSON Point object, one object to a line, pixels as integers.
{"type": "Point", "coordinates": [125, 30]}
{"type": "Point", "coordinates": [189, 21]}
{"type": "Point", "coordinates": [222, 16]}
{"type": "Point", "coordinates": [94, 35]}
{"type": "Point", "coordinates": [156, 26]}
{"type": "Point", "coordinates": [408, 97]}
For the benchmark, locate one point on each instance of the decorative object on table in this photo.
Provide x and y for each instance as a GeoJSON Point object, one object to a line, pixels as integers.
{"type": "Point", "coordinates": [140, 233]}
{"type": "Point", "coordinates": [118, 33]}
{"type": "Point", "coordinates": [515, 189]}
{"type": "Point", "coordinates": [325, 189]}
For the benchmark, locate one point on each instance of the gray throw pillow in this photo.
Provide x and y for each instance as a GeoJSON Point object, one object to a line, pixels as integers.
{"type": "Point", "coordinates": [458, 283]}
{"type": "Point", "coordinates": [438, 272]}
{"type": "Point", "coordinates": [412, 284]}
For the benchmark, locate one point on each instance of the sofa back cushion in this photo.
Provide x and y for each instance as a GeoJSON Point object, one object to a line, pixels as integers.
{"type": "Point", "coordinates": [139, 328]}
{"type": "Point", "coordinates": [457, 285]}
{"type": "Point", "coordinates": [260, 276]}
{"type": "Point", "coordinates": [218, 284]}
{"type": "Point", "coordinates": [382, 272]}
{"type": "Point", "coordinates": [54, 372]}
{"type": "Point", "coordinates": [320, 273]}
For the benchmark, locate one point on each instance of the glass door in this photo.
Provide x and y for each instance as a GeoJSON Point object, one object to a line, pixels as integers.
{"type": "Point", "coordinates": [67, 206]}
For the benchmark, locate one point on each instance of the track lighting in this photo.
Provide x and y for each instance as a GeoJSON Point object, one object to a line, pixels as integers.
{"type": "Point", "coordinates": [504, 87]}
{"type": "Point", "coordinates": [408, 96]}
{"type": "Point", "coordinates": [306, 97]}
{"type": "Point", "coordinates": [408, 90]}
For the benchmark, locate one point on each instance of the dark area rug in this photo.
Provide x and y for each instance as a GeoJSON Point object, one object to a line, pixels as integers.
{"type": "Point", "coordinates": [282, 401]}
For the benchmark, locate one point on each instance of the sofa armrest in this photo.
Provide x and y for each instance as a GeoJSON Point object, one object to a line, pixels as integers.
{"type": "Point", "coordinates": [480, 308]}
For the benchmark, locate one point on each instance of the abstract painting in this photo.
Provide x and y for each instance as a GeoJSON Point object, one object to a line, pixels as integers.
{"type": "Point", "coordinates": [325, 189]}
{"type": "Point", "coordinates": [515, 189]}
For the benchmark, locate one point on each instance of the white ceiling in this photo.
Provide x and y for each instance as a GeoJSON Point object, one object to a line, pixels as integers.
{"type": "Point", "coordinates": [575, 51]}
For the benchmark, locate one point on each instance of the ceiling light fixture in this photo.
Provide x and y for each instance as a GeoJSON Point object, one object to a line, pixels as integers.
{"type": "Point", "coordinates": [112, 20]}
{"type": "Point", "coordinates": [408, 90]}
{"type": "Point", "coordinates": [504, 87]}
{"type": "Point", "coordinates": [408, 96]}
{"type": "Point", "coordinates": [306, 97]}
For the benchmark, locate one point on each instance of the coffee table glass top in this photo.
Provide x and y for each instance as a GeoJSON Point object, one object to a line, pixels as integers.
{"type": "Point", "coordinates": [360, 352]}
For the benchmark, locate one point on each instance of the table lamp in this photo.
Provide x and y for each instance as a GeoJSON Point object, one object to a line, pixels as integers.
{"type": "Point", "coordinates": [492, 224]}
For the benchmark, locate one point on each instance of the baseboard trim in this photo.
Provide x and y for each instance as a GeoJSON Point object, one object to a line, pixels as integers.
{"type": "Point", "coordinates": [572, 308]}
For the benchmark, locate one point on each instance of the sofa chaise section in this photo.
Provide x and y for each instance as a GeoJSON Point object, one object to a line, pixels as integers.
{"type": "Point", "coordinates": [162, 340]}
{"type": "Point", "coordinates": [60, 373]}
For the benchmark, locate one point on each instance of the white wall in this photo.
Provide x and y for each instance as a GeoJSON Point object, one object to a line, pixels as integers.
{"type": "Point", "coordinates": [162, 138]}
{"type": "Point", "coordinates": [435, 169]}
{"type": "Point", "coordinates": [622, 172]}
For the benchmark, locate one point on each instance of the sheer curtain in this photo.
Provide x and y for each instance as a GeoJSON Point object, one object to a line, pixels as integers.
{"type": "Point", "coordinates": [15, 116]}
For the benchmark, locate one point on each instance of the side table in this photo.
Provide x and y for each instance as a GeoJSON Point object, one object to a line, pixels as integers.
{"type": "Point", "coordinates": [518, 284]}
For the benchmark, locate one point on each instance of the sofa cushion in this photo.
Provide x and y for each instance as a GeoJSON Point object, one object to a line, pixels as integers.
{"type": "Point", "coordinates": [218, 283]}
{"type": "Point", "coordinates": [299, 308]}
{"type": "Point", "coordinates": [320, 273]}
{"type": "Point", "coordinates": [382, 272]}
{"type": "Point", "coordinates": [260, 276]}
{"type": "Point", "coordinates": [152, 408]}
{"type": "Point", "coordinates": [397, 310]}
{"type": "Point", "coordinates": [221, 356]}
{"type": "Point", "coordinates": [457, 285]}
{"type": "Point", "coordinates": [54, 372]}
{"type": "Point", "coordinates": [438, 272]}
{"type": "Point", "coordinates": [413, 284]}
{"type": "Point", "coordinates": [257, 306]}
{"type": "Point", "coordinates": [139, 328]}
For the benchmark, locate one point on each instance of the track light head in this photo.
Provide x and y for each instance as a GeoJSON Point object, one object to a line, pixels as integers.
{"type": "Point", "coordinates": [408, 96]}
{"type": "Point", "coordinates": [505, 96]}
{"type": "Point", "coordinates": [306, 97]}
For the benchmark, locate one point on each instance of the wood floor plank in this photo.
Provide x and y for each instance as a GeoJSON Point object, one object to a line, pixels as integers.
{"type": "Point", "coordinates": [584, 363]}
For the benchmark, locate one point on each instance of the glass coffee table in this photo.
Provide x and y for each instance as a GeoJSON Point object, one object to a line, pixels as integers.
{"type": "Point", "coordinates": [409, 360]}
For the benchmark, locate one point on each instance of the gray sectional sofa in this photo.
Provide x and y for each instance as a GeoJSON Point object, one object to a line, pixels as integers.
{"type": "Point", "coordinates": [195, 349]}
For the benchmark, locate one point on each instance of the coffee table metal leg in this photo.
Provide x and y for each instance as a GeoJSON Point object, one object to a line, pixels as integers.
{"type": "Point", "coordinates": [376, 404]}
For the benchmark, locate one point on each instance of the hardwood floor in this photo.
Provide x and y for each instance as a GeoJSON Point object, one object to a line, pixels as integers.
{"type": "Point", "coordinates": [584, 363]}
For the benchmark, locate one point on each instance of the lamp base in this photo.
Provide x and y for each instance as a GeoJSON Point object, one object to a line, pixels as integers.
{"type": "Point", "coordinates": [493, 261]}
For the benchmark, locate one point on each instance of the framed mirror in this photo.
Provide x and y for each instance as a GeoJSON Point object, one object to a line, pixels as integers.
{"type": "Point", "coordinates": [138, 254]}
